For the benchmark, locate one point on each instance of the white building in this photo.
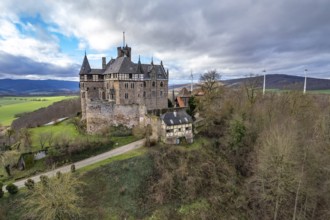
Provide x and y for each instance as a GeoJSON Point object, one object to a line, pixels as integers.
{"type": "Point", "coordinates": [176, 127]}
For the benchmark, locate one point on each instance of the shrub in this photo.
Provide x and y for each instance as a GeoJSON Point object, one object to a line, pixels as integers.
{"type": "Point", "coordinates": [58, 174]}
{"type": "Point", "coordinates": [44, 180]}
{"type": "Point", "coordinates": [73, 168]}
{"type": "Point", "coordinates": [29, 184]}
{"type": "Point", "coordinates": [119, 131]}
{"type": "Point", "coordinates": [1, 191]}
{"type": "Point", "coordinates": [12, 188]}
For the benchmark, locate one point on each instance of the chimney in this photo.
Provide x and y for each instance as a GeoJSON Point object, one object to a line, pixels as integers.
{"type": "Point", "coordinates": [104, 62]}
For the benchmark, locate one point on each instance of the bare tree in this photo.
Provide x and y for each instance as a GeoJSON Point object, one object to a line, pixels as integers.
{"type": "Point", "coordinates": [251, 87]}
{"type": "Point", "coordinates": [9, 133]}
{"type": "Point", "coordinates": [209, 80]}
{"type": "Point", "coordinates": [25, 138]}
{"type": "Point", "coordinates": [56, 198]}
{"type": "Point", "coordinates": [45, 138]}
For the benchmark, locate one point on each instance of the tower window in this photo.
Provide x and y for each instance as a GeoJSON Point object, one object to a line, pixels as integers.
{"type": "Point", "coordinates": [132, 85]}
{"type": "Point", "coordinates": [161, 84]}
{"type": "Point", "coordinates": [126, 85]}
{"type": "Point", "coordinates": [144, 84]}
{"type": "Point", "coordinates": [144, 94]}
{"type": "Point", "coordinates": [153, 84]}
{"type": "Point", "coordinates": [126, 95]}
{"type": "Point", "coordinates": [161, 93]}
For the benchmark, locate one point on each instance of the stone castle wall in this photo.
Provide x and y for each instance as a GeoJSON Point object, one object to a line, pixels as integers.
{"type": "Point", "coordinates": [102, 114]}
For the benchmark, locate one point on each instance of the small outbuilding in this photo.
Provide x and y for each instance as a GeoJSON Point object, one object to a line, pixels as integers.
{"type": "Point", "coordinates": [176, 127]}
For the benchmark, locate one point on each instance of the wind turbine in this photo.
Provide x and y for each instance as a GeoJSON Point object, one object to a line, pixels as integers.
{"type": "Point", "coordinates": [192, 82]}
{"type": "Point", "coordinates": [305, 83]}
{"type": "Point", "coordinates": [264, 85]}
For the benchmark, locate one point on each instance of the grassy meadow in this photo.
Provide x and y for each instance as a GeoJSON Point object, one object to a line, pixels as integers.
{"type": "Point", "coordinates": [11, 106]}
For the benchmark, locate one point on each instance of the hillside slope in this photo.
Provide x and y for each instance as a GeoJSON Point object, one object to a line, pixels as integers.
{"type": "Point", "coordinates": [36, 87]}
{"type": "Point", "coordinates": [282, 81]}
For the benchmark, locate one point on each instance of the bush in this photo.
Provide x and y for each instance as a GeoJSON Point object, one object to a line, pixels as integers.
{"type": "Point", "coordinates": [1, 191]}
{"type": "Point", "coordinates": [73, 168]}
{"type": "Point", "coordinates": [29, 184]}
{"type": "Point", "coordinates": [12, 188]}
{"type": "Point", "coordinates": [44, 180]}
{"type": "Point", "coordinates": [119, 131]}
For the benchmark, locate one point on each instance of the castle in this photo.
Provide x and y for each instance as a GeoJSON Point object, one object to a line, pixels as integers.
{"type": "Point", "coordinates": [122, 91]}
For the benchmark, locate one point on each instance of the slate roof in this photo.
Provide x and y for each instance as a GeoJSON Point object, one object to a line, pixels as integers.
{"type": "Point", "coordinates": [121, 65]}
{"type": "Point", "coordinates": [85, 67]}
{"type": "Point", "coordinates": [176, 118]}
{"type": "Point", "coordinates": [124, 65]}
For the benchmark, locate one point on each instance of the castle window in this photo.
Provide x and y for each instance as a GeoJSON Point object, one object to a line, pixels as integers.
{"type": "Point", "coordinates": [94, 88]}
{"type": "Point", "coordinates": [144, 84]}
{"type": "Point", "coordinates": [126, 95]}
{"type": "Point", "coordinates": [144, 94]}
{"type": "Point", "coordinates": [153, 84]}
{"type": "Point", "coordinates": [130, 75]}
{"type": "Point", "coordinates": [161, 84]}
{"type": "Point", "coordinates": [161, 93]}
{"type": "Point", "coordinates": [132, 85]}
{"type": "Point", "coordinates": [153, 93]}
{"type": "Point", "coordinates": [126, 85]}
{"type": "Point", "coordinates": [83, 95]}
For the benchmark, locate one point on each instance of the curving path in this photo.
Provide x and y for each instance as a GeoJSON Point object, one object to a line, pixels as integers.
{"type": "Point", "coordinates": [85, 162]}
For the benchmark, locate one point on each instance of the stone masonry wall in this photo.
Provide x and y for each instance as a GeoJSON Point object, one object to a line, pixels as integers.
{"type": "Point", "coordinates": [100, 115]}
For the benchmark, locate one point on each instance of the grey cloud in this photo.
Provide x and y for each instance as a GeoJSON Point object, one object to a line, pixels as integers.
{"type": "Point", "coordinates": [22, 66]}
{"type": "Point", "coordinates": [278, 35]}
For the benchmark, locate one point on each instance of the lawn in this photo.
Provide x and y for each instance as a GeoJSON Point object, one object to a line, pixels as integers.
{"type": "Point", "coordinates": [63, 129]}
{"type": "Point", "coordinates": [11, 106]}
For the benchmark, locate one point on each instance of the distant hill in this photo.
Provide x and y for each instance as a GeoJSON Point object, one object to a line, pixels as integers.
{"type": "Point", "coordinates": [273, 81]}
{"type": "Point", "coordinates": [282, 81]}
{"type": "Point", "coordinates": [37, 87]}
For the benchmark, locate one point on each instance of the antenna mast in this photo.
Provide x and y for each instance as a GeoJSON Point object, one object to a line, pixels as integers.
{"type": "Point", "coordinates": [264, 85]}
{"type": "Point", "coordinates": [305, 83]}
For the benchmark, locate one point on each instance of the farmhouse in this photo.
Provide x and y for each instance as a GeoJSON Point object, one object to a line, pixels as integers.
{"type": "Point", "coordinates": [176, 127]}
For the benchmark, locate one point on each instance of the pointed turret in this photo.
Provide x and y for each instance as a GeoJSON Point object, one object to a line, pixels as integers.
{"type": "Point", "coordinates": [85, 67]}
{"type": "Point", "coordinates": [140, 70]}
{"type": "Point", "coordinates": [152, 61]}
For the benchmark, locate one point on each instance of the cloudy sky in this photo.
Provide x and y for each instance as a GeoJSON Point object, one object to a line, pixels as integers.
{"type": "Point", "coordinates": [47, 39]}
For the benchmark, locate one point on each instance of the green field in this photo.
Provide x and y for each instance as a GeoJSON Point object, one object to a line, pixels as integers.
{"type": "Point", "coordinates": [11, 106]}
